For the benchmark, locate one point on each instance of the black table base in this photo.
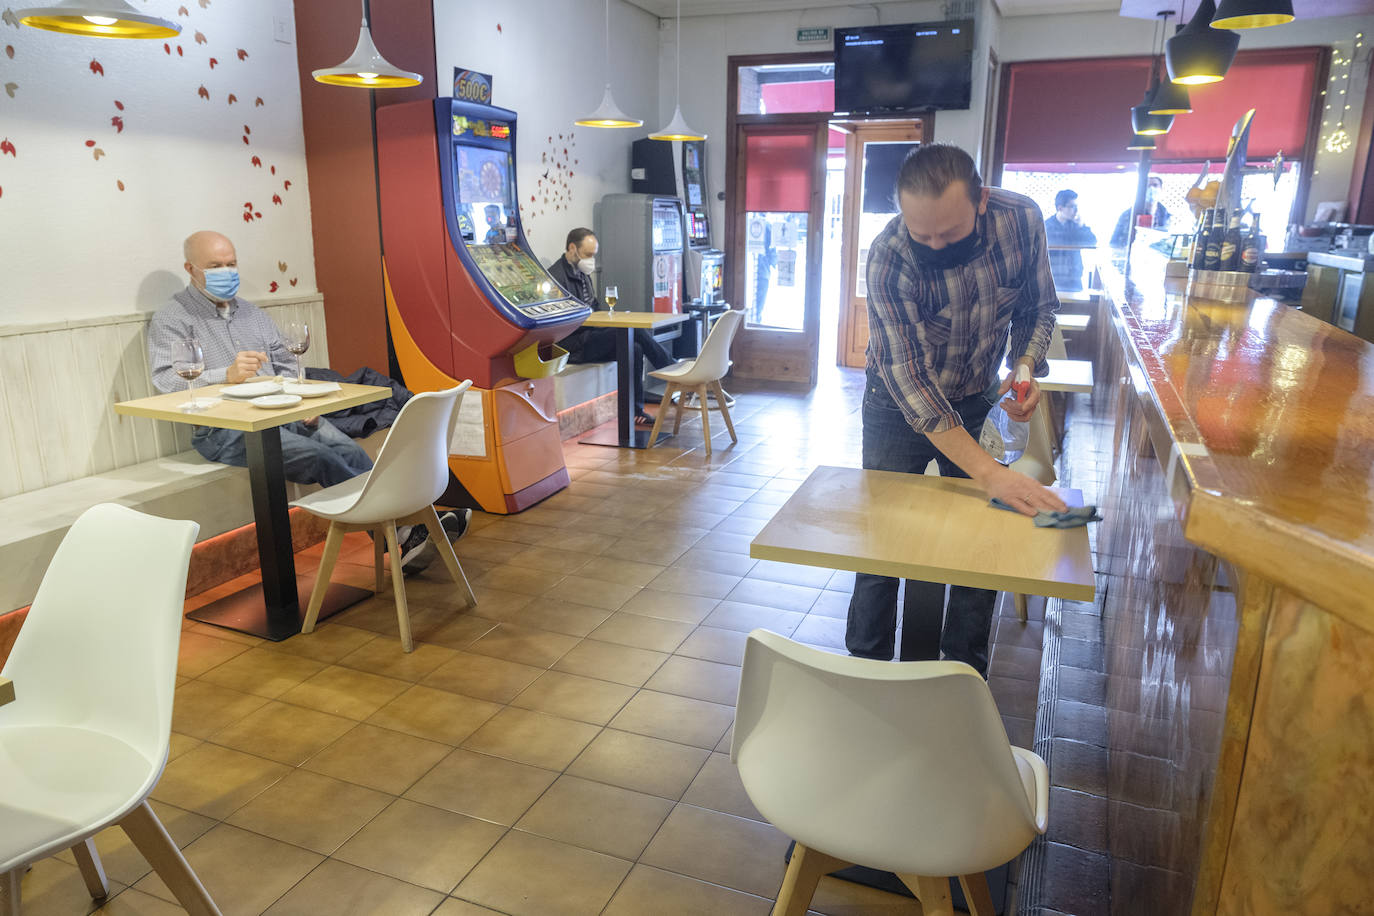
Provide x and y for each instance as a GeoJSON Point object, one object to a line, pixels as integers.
{"type": "Point", "coordinates": [604, 435]}
{"type": "Point", "coordinates": [244, 611]}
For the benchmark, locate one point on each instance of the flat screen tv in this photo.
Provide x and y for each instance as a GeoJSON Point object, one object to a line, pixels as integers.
{"type": "Point", "coordinates": [919, 66]}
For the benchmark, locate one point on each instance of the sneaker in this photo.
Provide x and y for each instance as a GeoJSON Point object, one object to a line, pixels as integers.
{"type": "Point", "coordinates": [417, 551]}
{"type": "Point", "coordinates": [455, 524]}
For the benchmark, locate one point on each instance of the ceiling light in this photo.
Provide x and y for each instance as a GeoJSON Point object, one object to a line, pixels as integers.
{"type": "Point", "coordinates": [608, 114]}
{"type": "Point", "coordinates": [1252, 14]}
{"type": "Point", "coordinates": [1200, 54]}
{"type": "Point", "coordinates": [1169, 99]}
{"type": "Point", "coordinates": [99, 19]}
{"type": "Point", "coordinates": [366, 68]}
{"type": "Point", "coordinates": [677, 128]}
{"type": "Point", "coordinates": [1147, 124]}
{"type": "Point", "coordinates": [1140, 141]}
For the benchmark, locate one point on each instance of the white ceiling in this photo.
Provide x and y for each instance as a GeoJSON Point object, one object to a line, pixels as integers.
{"type": "Point", "coordinates": [1142, 9]}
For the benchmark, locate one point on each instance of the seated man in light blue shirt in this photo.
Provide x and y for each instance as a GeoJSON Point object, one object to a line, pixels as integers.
{"type": "Point", "coordinates": [239, 342]}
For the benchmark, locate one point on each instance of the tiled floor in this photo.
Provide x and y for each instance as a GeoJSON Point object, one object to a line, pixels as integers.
{"type": "Point", "coordinates": [560, 749]}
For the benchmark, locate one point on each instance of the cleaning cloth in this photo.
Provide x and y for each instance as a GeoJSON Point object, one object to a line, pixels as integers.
{"type": "Point", "coordinates": [1073, 518]}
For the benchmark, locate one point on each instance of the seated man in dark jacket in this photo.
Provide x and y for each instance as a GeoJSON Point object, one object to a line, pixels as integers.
{"type": "Point", "coordinates": [573, 271]}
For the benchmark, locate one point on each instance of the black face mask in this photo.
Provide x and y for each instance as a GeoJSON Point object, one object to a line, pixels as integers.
{"type": "Point", "coordinates": [954, 254]}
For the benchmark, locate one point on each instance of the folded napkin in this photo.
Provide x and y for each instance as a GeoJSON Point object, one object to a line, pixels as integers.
{"type": "Point", "coordinates": [1073, 518]}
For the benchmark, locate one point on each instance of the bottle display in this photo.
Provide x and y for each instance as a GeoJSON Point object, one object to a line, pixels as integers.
{"type": "Point", "coordinates": [1214, 238]}
{"type": "Point", "coordinates": [1228, 257]}
{"type": "Point", "coordinates": [1204, 228]}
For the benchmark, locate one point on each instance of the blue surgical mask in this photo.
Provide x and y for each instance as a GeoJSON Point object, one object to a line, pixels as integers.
{"type": "Point", "coordinates": [222, 282]}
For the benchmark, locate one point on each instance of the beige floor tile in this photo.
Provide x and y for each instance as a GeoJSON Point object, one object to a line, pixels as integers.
{"type": "Point", "coordinates": [731, 615]}
{"type": "Point", "coordinates": [550, 561]}
{"type": "Point", "coordinates": [581, 540]}
{"type": "Point", "coordinates": [244, 872]}
{"type": "Point", "coordinates": [532, 737]}
{"type": "Point", "coordinates": [284, 733]}
{"type": "Point", "coordinates": [488, 550]}
{"type": "Point", "coordinates": [130, 902]}
{"type": "Point", "coordinates": [727, 542]}
{"type": "Point", "coordinates": [526, 875]}
{"type": "Point", "coordinates": [652, 890]}
{"type": "Point", "coordinates": [524, 645]}
{"type": "Point", "coordinates": [330, 642]}
{"type": "Point", "coordinates": [312, 811]}
{"type": "Point", "coordinates": [452, 906]}
{"type": "Point", "coordinates": [558, 616]}
{"type": "Point", "coordinates": [456, 630]}
{"type": "Point", "coordinates": [337, 887]}
{"type": "Point", "coordinates": [200, 708]}
{"type": "Point", "coordinates": [641, 763]}
{"type": "Point", "coordinates": [478, 785]}
{"type": "Point", "coordinates": [573, 697]}
{"type": "Point", "coordinates": [378, 758]}
{"type": "Point", "coordinates": [421, 845]}
{"type": "Point", "coordinates": [345, 692]}
{"type": "Point", "coordinates": [215, 781]}
{"type": "Point", "coordinates": [718, 787]}
{"type": "Point", "coordinates": [386, 658]}
{"type": "Point", "coordinates": [180, 744]}
{"type": "Point", "coordinates": [780, 595]}
{"type": "Point", "coordinates": [819, 630]}
{"type": "Point", "coordinates": [598, 593]}
{"type": "Point", "coordinates": [661, 550]}
{"type": "Point", "coordinates": [519, 579]}
{"type": "Point", "coordinates": [483, 676]}
{"type": "Point", "coordinates": [642, 632]}
{"type": "Point", "coordinates": [698, 679]}
{"type": "Point", "coordinates": [263, 672]}
{"type": "Point", "coordinates": [199, 653]}
{"type": "Point", "coordinates": [626, 572]}
{"type": "Point", "coordinates": [594, 815]}
{"type": "Point", "coordinates": [55, 888]}
{"type": "Point", "coordinates": [792, 573]}
{"type": "Point", "coordinates": [674, 718]}
{"type": "Point", "coordinates": [122, 860]}
{"type": "Point", "coordinates": [715, 644]}
{"type": "Point", "coordinates": [512, 530]}
{"type": "Point", "coordinates": [498, 604]}
{"type": "Point", "coordinates": [438, 715]}
{"type": "Point", "coordinates": [670, 606]}
{"type": "Point", "coordinates": [611, 662]}
{"type": "Point", "coordinates": [731, 851]}
{"type": "Point", "coordinates": [705, 557]}
{"type": "Point", "coordinates": [686, 581]}
{"type": "Point", "coordinates": [748, 519]}
{"type": "Point", "coordinates": [833, 604]}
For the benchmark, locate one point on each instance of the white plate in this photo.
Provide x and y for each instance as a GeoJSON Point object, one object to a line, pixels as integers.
{"type": "Point", "coordinates": [271, 401]}
{"type": "Point", "coordinates": [255, 389]}
{"type": "Point", "coordinates": [310, 389]}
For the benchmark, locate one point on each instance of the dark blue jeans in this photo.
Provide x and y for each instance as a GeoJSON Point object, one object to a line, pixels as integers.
{"type": "Point", "coordinates": [890, 444]}
{"type": "Point", "coordinates": [321, 455]}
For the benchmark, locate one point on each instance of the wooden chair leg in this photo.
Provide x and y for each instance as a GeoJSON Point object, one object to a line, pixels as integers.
{"type": "Point", "coordinates": [804, 872]}
{"type": "Point", "coordinates": [724, 411]}
{"type": "Point", "coordinates": [705, 418]}
{"type": "Point", "coordinates": [333, 541]}
{"type": "Point", "coordinates": [151, 839]}
{"type": "Point", "coordinates": [446, 553]}
{"type": "Point", "coordinates": [681, 406]}
{"type": "Point", "coordinates": [379, 558]}
{"type": "Point", "coordinates": [1020, 601]}
{"type": "Point", "coordinates": [976, 894]}
{"type": "Point", "coordinates": [88, 860]}
{"type": "Point", "coordinates": [932, 892]}
{"type": "Point", "coordinates": [664, 405]}
{"type": "Point", "coordinates": [398, 588]}
{"type": "Point", "coordinates": [10, 884]}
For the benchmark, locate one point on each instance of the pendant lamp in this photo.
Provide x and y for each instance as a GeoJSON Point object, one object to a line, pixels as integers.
{"type": "Point", "coordinates": [1149, 125]}
{"type": "Point", "coordinates": [99, 19]}
{"type": "Point", "coordinates": [1200, 54]}
{"type": "Point", "coordinates": [1252, 14]}
{"type": "Point", "coordinates": [1140, 141]}
{"type": "Point", "coordinates": [608, 114]}
{"type": "Point", "coordinates": [1169, 98]}
{"type": "Point", "coordinates": [677, 128]}
{"type": "Point", "coordinates": [366, 68]}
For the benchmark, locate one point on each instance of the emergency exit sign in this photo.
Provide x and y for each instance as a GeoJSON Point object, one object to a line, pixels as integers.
{"type": "Point", "coordinates": [805, 35]}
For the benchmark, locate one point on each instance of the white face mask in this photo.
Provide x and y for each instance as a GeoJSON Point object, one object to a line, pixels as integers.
{"type": "Point", "coordinates": [587, 266]}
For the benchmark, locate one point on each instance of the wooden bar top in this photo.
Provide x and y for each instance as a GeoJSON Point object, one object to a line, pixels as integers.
{"type": "Point", "coordinates": [623, 319]}
{"type": "Point", "coordinates": [230, 413]}
{"type": "Point", "coordinates": [936, 529]}
{"type": "Point", "coordinates": [1269, 415]}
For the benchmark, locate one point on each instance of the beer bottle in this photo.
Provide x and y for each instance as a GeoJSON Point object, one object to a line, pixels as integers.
{"type": "Point", "coordinates": [1204, 227]}
{"type": "Point", "coordinates": [1253, 249]}
{"type": "Point", "coordinates": [1229, 258]}
{"type": "Point", "coordinates": [1214, 235]}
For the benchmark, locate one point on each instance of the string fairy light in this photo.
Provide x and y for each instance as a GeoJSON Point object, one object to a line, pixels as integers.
{"type": "Point", "coordinates": [1339, 140]}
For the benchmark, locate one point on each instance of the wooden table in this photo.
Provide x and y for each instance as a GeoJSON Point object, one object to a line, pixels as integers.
{"type": "Point", "coordinates": [934, 529]}
{"type": "Point", "coordinates": [628, 382]}
{"type": "Point", "coordinates": [6, 691]}
{"type": "Point", "coordinates": [273, 611]}
{"type": "Point", "coordinates": [1068, 375]}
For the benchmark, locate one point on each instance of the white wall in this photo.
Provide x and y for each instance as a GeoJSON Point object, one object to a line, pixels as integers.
{"type": "Point", "coordinates": [546, 61]}
{"type": "Point", "coordinates": [75, 245]}
{"type": "Point", "coordinates": [1108, 35]}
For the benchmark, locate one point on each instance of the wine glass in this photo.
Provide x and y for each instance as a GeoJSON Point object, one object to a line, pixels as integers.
{"type": "Point", "coordinates": [297, 339]}
{"type": "Point", "coordinates": [188, 361]}
{"type": "Point", "coordinates": [612, 296]}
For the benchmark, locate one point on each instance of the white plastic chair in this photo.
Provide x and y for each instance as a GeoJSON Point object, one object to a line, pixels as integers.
{"type": "Point", "coordinates": [411, 472]}
{"type": "Point", "coordinates": [900, 766]}
{"type": "Point", "coordinates": [701, 375]}
{"type": "Point", "coordinates": [94, 669]}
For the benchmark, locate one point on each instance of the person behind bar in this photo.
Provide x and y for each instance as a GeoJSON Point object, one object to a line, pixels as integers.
{"type": "Point", "coordinates": [1159, 216]}
{"type": "Point", "coordinates": [239, 342]}
{"type": "Point", "coordinates": [1066, 228]}
{"type": "Point", "coordinates": [959, 272]}
{"type": "Point", "coordinates": [573, 271]}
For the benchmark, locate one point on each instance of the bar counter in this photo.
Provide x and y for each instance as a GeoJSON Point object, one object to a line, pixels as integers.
{"type": "Point", "coordinates": [1236, 565]}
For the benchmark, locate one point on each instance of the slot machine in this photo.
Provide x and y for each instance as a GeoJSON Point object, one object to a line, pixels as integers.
{"type": "Point", "coordinates": [641, 250]}
{"type": "Point", "coordinates": [467, 298]}
{"type": "Point", "coordinates": [678, 169]}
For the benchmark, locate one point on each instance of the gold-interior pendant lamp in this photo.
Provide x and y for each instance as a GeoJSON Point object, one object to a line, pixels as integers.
{"type": "Point", "coordinates": [677, 128]}
{"type": "Point", "coordinates": [1141, 141]}
{"type": "Point", "coordinates": [608, 113]}
{"type": "Point", "coordinates": [1200, 54]}
{"type": "Point", "coordinates": [98, 19]}
{"type": "Point", "coordinates": [1143, 121]}
{"type": "Point", "coordinates": [1252, 14]}
{"type": "Point", "coordinates": [366, 68]}
{"type": "Point", "coordinates": [1167, 97]}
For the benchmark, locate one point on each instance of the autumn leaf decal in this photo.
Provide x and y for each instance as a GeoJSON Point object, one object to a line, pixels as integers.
{"type": "Point", "coordinates": [9, 17]}
{"type": "Point", "coordinates": [203, 93]}
{"type": "Point", "coordinates": [119, 104]}
{"type": "Point", "coordinates": [243, 55]}
{"type": "Point", "coordinates": [281, 265]}
{"type": "Point", "coordinates": [183, 11]}
{"type": "Point", "coordinates": [97, 153]}
{"type": "Point", "coordinates": [272, 287]}
{"type": "Point", "coordinates": [232, 98]}
{"type": "Point", "coordinates": [9, 89]}
{"type": "Point", "coordinates": [7, 148]}
{"type": "Point", "coordinates": [96, 68]}
{"type": "Point", "coordinates": [276, 199]}
{"type": "Point", "coordinates": [119, 184]}
{"type": "Point", "coordinates": [213, 61]}
{"type": "Point", "coordinates": [286, 185]}
{"type": "Point", "coordinates": [258, 103]}
{"type": "Point", "coordinates": [257, 162]}
{"type": "Point", "coordinates": [200, 38]}
{"type": "Point", "coordinates": [118, 123]}
{"type": "Point", "coordinates": [9, 51]}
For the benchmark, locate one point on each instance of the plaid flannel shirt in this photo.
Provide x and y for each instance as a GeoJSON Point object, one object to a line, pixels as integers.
{"type": "Point", "coordinates": [222, 337]}
{"type": "Point", "coordinates": [935, 335]}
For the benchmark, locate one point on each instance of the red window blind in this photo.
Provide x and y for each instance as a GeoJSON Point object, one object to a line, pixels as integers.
{"type": "Point", "coordinates": [778, 169]}
{"type": "Point", "coordinates": [1080, 110]}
